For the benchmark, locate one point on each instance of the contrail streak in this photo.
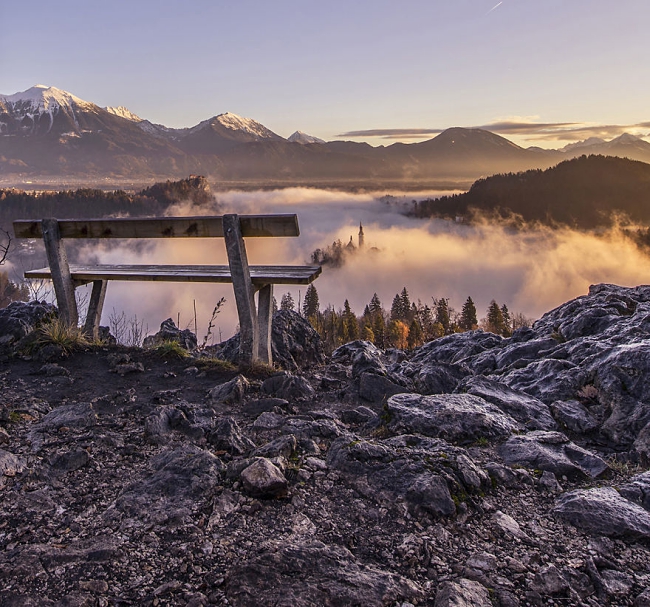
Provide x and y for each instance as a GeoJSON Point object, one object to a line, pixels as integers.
{"type": "Point", "coordinates": [494, 8]}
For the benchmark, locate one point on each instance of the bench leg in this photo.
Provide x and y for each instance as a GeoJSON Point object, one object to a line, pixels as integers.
{"type": "Point", "coordinates": [243, 288]}
{"type": "Point", "coordinates": [58, 261]}
{"type": "Point", "coordinates": [264, 321]}
{"type": "Point", "coordinates": [94, 316]}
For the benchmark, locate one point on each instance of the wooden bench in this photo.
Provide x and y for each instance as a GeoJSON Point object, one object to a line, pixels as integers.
{"type": "Point", "coordinates": [254, 323]}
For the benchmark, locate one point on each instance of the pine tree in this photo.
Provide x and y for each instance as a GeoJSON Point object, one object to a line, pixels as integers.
{"type": "Point", "coordinates": [396, 308]}
{"type": "Point", "coordinates": [442, 313]}
{"type": "Point", "coordinates": [507, 321]}
{"type": "Point", "coordinates": [287, 303]}
{"type": "Point", "coordinates": [468, 320]}
{"type": "Point", "coordinates": [494, 318]}
{"type": "Point", "coordinates": [311, 306]}
{"type": "Point", "coordinates": [407, 310]}
{"type": "Point", "coordinates": [375, 305]}
{"type": "Point", "coordinates": [415, 337]}
{"type": "Point", "coordinates": [350, 322]}
{"type": "Point", "coordinates": [379, 330]}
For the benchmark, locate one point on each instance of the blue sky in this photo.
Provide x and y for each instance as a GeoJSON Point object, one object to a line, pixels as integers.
{"type": "Point", "coordinates": [370, 68]}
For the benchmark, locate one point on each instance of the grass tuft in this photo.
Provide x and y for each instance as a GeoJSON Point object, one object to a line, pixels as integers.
{"type": "Point", "coordinates": [171, 349]}
{"type": "Point", "coordinates": [58, 333]}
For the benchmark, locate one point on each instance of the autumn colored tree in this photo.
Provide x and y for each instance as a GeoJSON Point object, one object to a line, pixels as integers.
{"type": "Point", "coordinates": [398, 333]}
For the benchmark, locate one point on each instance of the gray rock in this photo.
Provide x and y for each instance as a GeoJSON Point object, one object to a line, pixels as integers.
{"type": "Point", "coordinates": [364, 362]}
{"type": "Point", "coordinates": [458, 347]}
{"type": "Point", "coordinates": [19, 318]}
{"type": "Point", "coordinates": [529, 411]}
{"type": "Point", "coordinates": [70, 416]}
{"type": "Point", "coordinates": [359, 415]}
{"type": "Point", "coordinates": [295, 344]}
{"type": "Point", "coordinates": [574, 415]}
{"type": "Point", "coordinates": [10, 464]}
{"type": "Point", "coordinates": [53, 370]}
{"type": "Point", "coordinates": [462, 593]}
{"type": "Point", "coordinates": [261, 405]}
{"type": "Point", "coordinates": [71, 460]}
{"type": "Point", "coordinates": [546, 379]}
{"type": "Point", "coordinates": [311, 573]}
{"type": "Point", "coordinates": [455, 417]}
{"type": "Point", "coordinates": [263, 479]}
{"type": "Point", "coordinates": [616, 583]}
{"type": "Point", "coordinates": [506, 525]}
{"type": "Point", "coordinates": [268, 421]}
{"type": "Point", "coordinates": [548, 482]}
{"type": "Point", "coordinates": [641, 444]}
{"type": "Point", "coordinates": [643, 599]}
{"type": "Point", "coordinates": [439, 378]}
{"type": "Point", "coordinates": [424, 472]}
{"type": "Point", "coordinates": [170, 332]}
{"type": "Point", "coordinates": [604, 511]}
{"type": "Point", "coordinates": [548, 581]}
{"type": "Point", "coordinates": [287, 386]}
{"type": "Point", "coordinates": [554, 452]}
{"type": "Point", "coordinates": [227, 436]}
{"type": "Point", "coordinates": [283, 446]}
{"type": "Point", "coordinates": [179, 478]}
{"type": "Point", "coordinates": [345, 354]}
{"type": "Point", "coordinates": [377, 388]}
{"type": "Point", "coordinates": [231, 392]}
{"type": "Point", "coordinates": [638, 490]}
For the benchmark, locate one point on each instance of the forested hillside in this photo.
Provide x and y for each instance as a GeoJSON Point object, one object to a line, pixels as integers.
{"type": "Point", "coordinates": [586, 192]}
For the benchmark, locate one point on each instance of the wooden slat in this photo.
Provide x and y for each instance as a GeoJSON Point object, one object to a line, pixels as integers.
{"type": "Point", "coordinates": [260, 275]}
{"type": "Point", "coordinates": [165, 227]}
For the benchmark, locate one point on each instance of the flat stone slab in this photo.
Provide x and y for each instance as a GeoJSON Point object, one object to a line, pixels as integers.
{"type": "Point", "coordinates": [454, 417]}
{"type": "Point", "coordinates": [554, 452]}
{"type": "Point", "coordinates": [604, 511]}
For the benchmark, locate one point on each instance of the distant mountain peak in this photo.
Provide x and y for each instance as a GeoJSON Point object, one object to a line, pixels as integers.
{"type": "Point", "coordinates": [123, 112]}
{"type": "Point", "coordinates": [626, 138]}
{"type": "Point", "coordinates": [42, 98]}
{"type": "Point", "coordinates": [247, 125]}
{"type": "Point", "coordinates": [303, 138]}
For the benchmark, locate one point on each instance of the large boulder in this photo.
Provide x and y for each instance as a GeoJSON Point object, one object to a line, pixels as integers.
{"type": "Point", "coordinates": [603, 511]}
{"type": "Point", "coordinates": [460, 418]}
{"type": "Point", "coordinates": [430, 475]}
{"type": "Point", "coordinates": [553, 452]}
{"type": "Point", "coordinates": [170, 332]}
{"type": "Point", "coordinates": [526, 409]}
{"type": "Point", "coordinates": [306, 573]}
{"type": "Point", "coordinates": [295, 344]}
{"type": "Point", "coordinates": [19, 319]}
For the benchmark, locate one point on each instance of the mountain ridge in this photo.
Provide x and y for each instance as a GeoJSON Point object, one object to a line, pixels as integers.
{"type": "Point", "coordinates": [46, 130]}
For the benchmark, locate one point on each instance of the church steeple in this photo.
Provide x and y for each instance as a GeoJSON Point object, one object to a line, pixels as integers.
{"type": "Point", "coordinates": [361, 237]}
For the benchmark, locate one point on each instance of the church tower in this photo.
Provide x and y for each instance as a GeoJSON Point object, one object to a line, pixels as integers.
{"type": "Point", "coordinates": [361, 237]}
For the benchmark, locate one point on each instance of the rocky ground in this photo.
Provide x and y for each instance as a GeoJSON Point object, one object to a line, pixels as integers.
{"type": "Point", "coordinates": [474, 471]}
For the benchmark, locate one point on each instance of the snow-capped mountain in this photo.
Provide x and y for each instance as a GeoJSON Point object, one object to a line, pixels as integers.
{"type": "Point", "coordinates": [583, 144]}
{"type": "Point", "coordinates": [123, 112]}
{"type": "Point", "coordinates": [42, 109]}
{"type": "Point", "coordinates": [304, 138]}
{"type": "Point", "coordinates": [48, 130]}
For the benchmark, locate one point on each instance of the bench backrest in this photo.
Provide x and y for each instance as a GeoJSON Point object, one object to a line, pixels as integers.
{"type": "Point", "coordinates": [165, 227]}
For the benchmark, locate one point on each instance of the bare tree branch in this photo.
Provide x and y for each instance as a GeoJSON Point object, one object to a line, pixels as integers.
{"type": "Point", "coordinates": [4, 246]}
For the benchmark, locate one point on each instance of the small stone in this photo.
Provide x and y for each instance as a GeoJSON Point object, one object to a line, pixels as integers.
{"type": "Point", "coordinates": [264, 480]}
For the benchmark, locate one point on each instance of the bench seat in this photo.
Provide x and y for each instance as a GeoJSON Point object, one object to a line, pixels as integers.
{"type": "Point", "coordinates": [260, 275]}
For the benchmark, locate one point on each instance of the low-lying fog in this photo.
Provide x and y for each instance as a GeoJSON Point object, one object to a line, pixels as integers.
{"type": "Point", "coordinates": [531, 271]}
